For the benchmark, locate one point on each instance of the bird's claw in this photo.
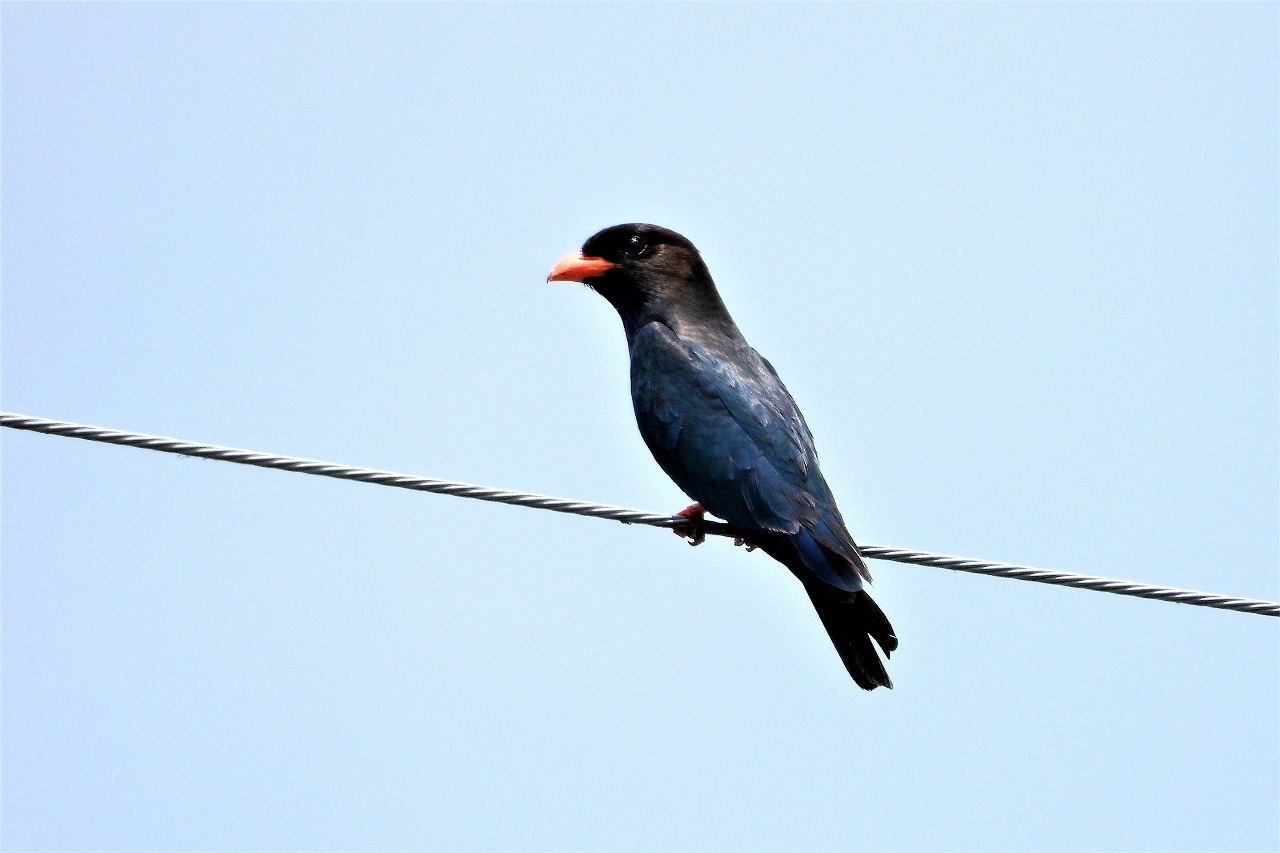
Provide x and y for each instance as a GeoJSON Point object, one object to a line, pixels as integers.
{"type": "Point", "coordinates": [738, 540]}
{"type": "Point", "coordinates": [695, 530]}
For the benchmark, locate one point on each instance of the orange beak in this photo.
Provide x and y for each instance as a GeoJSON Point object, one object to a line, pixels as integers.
{"type": "Point", "coordinates": [576, 266]}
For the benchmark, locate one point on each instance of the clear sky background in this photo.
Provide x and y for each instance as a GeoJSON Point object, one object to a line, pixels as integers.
{"type": "Point", "coordinates": [1017, 263]}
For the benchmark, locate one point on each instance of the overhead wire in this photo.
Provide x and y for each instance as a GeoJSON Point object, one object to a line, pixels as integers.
{"type": "Point", "coordinates": [616, 513]}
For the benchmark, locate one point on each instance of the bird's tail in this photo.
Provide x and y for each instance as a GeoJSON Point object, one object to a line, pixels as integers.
{"type": "Point", "coordinates": [853, 620]}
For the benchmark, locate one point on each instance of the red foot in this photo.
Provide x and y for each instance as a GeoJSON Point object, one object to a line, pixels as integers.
{"type": "Point", "coordinates": [695, 530]}
{"type": "Point", "coordinates": [751, 546]}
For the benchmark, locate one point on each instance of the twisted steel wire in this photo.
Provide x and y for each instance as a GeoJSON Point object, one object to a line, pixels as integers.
{"type": "Point", "coordinates": [616, 513]}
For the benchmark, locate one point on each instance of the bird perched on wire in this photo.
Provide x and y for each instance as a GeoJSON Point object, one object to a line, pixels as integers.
{"type": "Point", "coordinates": [722, 425]}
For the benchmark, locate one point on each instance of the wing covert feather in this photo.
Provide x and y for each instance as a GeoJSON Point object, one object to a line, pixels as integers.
{"type": "Point", "coordinates": [731, 438]}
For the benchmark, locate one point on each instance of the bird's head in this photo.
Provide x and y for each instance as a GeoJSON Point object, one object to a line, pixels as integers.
{"type": "Point", "coordinates": [647, 273]}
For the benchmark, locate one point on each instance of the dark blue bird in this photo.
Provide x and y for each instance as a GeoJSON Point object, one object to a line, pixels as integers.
{"type": "Point", "coordinates": [723, 426]}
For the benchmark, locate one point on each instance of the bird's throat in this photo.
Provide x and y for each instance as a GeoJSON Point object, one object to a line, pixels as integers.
{"type": "Point", "coordinates": [629, 303]}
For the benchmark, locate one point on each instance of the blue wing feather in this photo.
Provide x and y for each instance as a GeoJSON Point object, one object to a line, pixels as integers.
{"type": "Point", "coordinates": [726, 430]}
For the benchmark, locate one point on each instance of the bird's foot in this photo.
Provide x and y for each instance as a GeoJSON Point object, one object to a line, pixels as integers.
{"type": "Point", "coordinates": [696, 529]}
{"type": "Point", "coordinates": [751, 546]}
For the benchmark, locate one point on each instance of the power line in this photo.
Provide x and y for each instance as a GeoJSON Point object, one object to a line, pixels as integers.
{"type": "Point", "coordinates": [615, 513]}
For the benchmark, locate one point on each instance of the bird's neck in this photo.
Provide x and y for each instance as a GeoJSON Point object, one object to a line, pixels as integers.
{"type": "Point", "coordinates": [703, 320]}
{"type": "Point", "coordinates": [710, 326]}
{"type": "Point", "coordinates": [712, 329]}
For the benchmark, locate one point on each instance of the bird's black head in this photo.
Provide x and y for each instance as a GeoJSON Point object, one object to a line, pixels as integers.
{"type": "Point", "coordinates": [648, 274]}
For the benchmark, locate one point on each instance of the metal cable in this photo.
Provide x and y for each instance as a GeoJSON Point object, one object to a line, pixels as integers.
{"type": "Point", "coordinates": [616, 513]}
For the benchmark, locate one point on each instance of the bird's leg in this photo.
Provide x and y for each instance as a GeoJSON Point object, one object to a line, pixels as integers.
{"type": "Point", "coordinates": [695, 530]}
{"type": "Point", "coordinates": [751, 546]}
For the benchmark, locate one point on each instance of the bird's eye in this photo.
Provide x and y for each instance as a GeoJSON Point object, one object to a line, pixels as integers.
{"type": "Point", "coordinates": [636, 247]}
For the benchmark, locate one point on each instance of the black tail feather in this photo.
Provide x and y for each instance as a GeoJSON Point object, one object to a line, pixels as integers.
{"type": "Point", "coordinates": [853, 620]}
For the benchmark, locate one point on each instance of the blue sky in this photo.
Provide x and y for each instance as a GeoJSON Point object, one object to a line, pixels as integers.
{"type": "Point", "coordinates": [1017, 263]}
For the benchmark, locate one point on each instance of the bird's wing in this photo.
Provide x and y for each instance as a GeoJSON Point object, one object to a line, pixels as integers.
{"type": "Point", "coordinates": [729, 434]}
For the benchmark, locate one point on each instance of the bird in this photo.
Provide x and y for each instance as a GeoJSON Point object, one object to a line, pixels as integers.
{"type": "Point", "coordinates": [720, 423]}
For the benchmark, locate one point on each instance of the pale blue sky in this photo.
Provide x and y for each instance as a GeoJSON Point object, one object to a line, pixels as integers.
{"type": "Point", "coordinates": [1017, 263]}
